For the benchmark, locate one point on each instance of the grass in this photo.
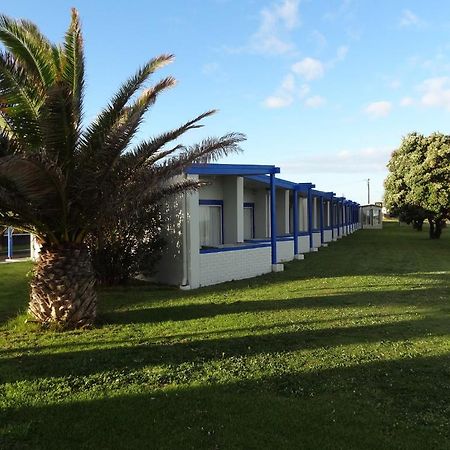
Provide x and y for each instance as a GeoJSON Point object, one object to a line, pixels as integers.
{"type": "Point", "coordinates": [347, 349]}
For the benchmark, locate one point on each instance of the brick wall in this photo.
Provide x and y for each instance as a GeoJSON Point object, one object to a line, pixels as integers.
{"type": "Point", "coordinates": [234, 265]}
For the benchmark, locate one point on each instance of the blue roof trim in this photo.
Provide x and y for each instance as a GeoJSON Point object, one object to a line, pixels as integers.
{"type": "Point", "coordinates": [205, 202]}
{"type": "Point", "coordinates": [232, 249]}
{"type": "Point", "coordinates": [326, 195]}
{"type": "Point", "coordinates": [231, 169]}
{"type": "Point", "coordinates": [279, 239]}
{"type": "Point", "coordinates": [284, 184]}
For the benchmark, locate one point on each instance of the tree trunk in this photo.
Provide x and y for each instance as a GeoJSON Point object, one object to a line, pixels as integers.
{"type": "Point", "coordinates": [435, 228]}
{"type": "Point", "coordinates": [418, 224]}
{"type": "Point", "coordinates": [438, 229]}
{"type": "Point", "coordinates": [63, 288]}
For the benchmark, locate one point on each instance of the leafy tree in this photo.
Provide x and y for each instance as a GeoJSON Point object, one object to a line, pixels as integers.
{"type": "Point", "coordinates": [417, 187]}
{"type": "Point", "coordinates": [59, 177]}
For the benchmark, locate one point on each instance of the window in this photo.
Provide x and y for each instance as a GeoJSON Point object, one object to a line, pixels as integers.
{"type": "Point", "coordinates": [249, 221]}
{"type": "Point", "coordinates": [211, 218]}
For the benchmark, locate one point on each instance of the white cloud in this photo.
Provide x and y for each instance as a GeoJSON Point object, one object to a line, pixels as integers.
{"type": "Point", "coordinates": [315, 101]}
{"type": "Point", "coordinates": [286, 93]}
{"type": "Point", "coordinates": [288, 83]}
{"type": "Point", "coordinates": [378, 109]}
{"type": "Point", "coordinates": [409, 19]}
{"type": "Point", "coordinates": [309, 68]}
{"type": "Point", "coordinates": [341, 52]}
{"type": "Point", "coordinates": [287, 12]}
{"type": "Point", "coordinates": [407, 101]}
{"type": "Point", "coordinates": [276, 102]}
{"type": "Point", "coordinates": [276, 21]}
{"type": "Point", "coordinates": [364, 160]}
{"type": "Point", "coordinates": [436, 92]}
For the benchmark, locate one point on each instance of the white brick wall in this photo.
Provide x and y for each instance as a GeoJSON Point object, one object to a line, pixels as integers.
{"type": "Point", "coordinates": [234, 265]}
{"type": "Point", "coordinates": [303, 244]}
{"type": "Point", "coordinates": [285, 251]}
{"type": "Point", "coordinates": [335, 232]}
{"type": "Point", "coordinates": [316, 240]}
{"type": "Point", "coordinates": [327, 235]}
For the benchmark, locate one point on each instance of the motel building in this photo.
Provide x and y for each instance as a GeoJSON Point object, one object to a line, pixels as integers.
{"type": "Point", "coordinates": [244, 222]}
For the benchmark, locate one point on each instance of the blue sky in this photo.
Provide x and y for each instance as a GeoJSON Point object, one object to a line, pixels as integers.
{"type": "Point", "coordinates": [325, 89]}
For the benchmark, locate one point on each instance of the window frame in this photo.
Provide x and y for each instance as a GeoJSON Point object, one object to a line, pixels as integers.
{"type": "Point", "coordinates": [219, 204]}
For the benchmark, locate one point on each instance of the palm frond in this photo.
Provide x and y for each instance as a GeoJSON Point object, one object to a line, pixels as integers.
{"type": "Point", "coordinates": [93, 170]}
{"type": "Point", "coordinates": [8, 146]}
{"type": "Point", "coordinates": [58, 125]}
{"type": "Point", "coordinates": [73, 67]}
{"type": "Point", "coordinates": [148, 152]}
{"type": "Point", "coordinates": [21, 100]}
{"type": "Point", "coordinates": [24, 40]}
{"type": "Point", "coordinates": [94, 135]}
{"type": "Point", "coordinates": [208, 150]}
{"type": "Point", "coordinates": [157, 195]}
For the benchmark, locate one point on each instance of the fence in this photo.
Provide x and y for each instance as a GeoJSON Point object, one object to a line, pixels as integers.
{"type": "Point", "coordinates": [14, 244]}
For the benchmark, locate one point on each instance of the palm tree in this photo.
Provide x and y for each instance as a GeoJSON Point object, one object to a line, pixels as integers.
{"type": "Point", "coordinates": [56, 174]}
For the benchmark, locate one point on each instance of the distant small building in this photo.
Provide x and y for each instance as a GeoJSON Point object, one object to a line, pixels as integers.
{"type": "Point", "coordinates": [371, 216]}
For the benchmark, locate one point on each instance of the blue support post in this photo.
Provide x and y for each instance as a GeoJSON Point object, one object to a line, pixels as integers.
{"type": "Point", "coordinates": [332, 218]}
{"type": "Point", "coordinates": [295, 220]}
{"type": "Point", "coordinates": [338, 220]}
{"type": "Point", "coordinates": [321, 218]}
{"type": "Point", "coordinates": [310, 213]}
{"type": "Point", "coordinates": [273, 219]}
{"type": "Point", "coordinates": [344, 215]}
{"type": "Point", "coordinates": [10, 243]}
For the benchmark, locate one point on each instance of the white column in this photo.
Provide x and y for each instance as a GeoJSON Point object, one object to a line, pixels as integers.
{"type": "Point", "coordinates": [233, 209]}
{"type": "Point", "coordinates": [193, 238]}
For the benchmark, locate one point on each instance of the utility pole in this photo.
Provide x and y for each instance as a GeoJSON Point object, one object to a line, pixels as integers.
{"type": "Point", "coordinates": [368, 191]}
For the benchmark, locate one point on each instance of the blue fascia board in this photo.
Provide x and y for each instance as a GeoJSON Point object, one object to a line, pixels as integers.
{"type": "Point", "coordinates": [232, 249]}
{"type": "Point", "coordinates": [231, 169]}
{"type": "Point", "coordinates": [278, 181]}
{"type": "Point", "coordinates": [327, 195]}
{"type": "Point", "coordinates": [304, 187]}
{"type": "Point", "coordinates": [268, 240]}
{"type": "Point", "coordinates": [204, 202]}
{"type": "Point", "coordinates": [284, 184]}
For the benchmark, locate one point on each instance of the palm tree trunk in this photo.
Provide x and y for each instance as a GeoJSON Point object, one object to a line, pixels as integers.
{"type": "Point", "coordinates": [63, 288]}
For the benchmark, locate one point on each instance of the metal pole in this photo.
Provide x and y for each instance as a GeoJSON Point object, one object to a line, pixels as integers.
{"type": "Point", "coordinates": [10, 243]}
{"type": "Point", "coordinates": [368, 191]}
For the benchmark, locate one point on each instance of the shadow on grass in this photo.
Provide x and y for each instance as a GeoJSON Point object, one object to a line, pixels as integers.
{"type": "Point", "coordinates": [419, 297]}
{"type": "Point", "coordinates": [279, 327]}
{"type": "Point", "coordinates": [401, 404]}
{"type": "Point", "coordinates": [151, 353]}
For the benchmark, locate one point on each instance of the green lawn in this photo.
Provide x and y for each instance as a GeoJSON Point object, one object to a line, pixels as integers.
{"type": "Point", "coordinates": [348, 349]}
